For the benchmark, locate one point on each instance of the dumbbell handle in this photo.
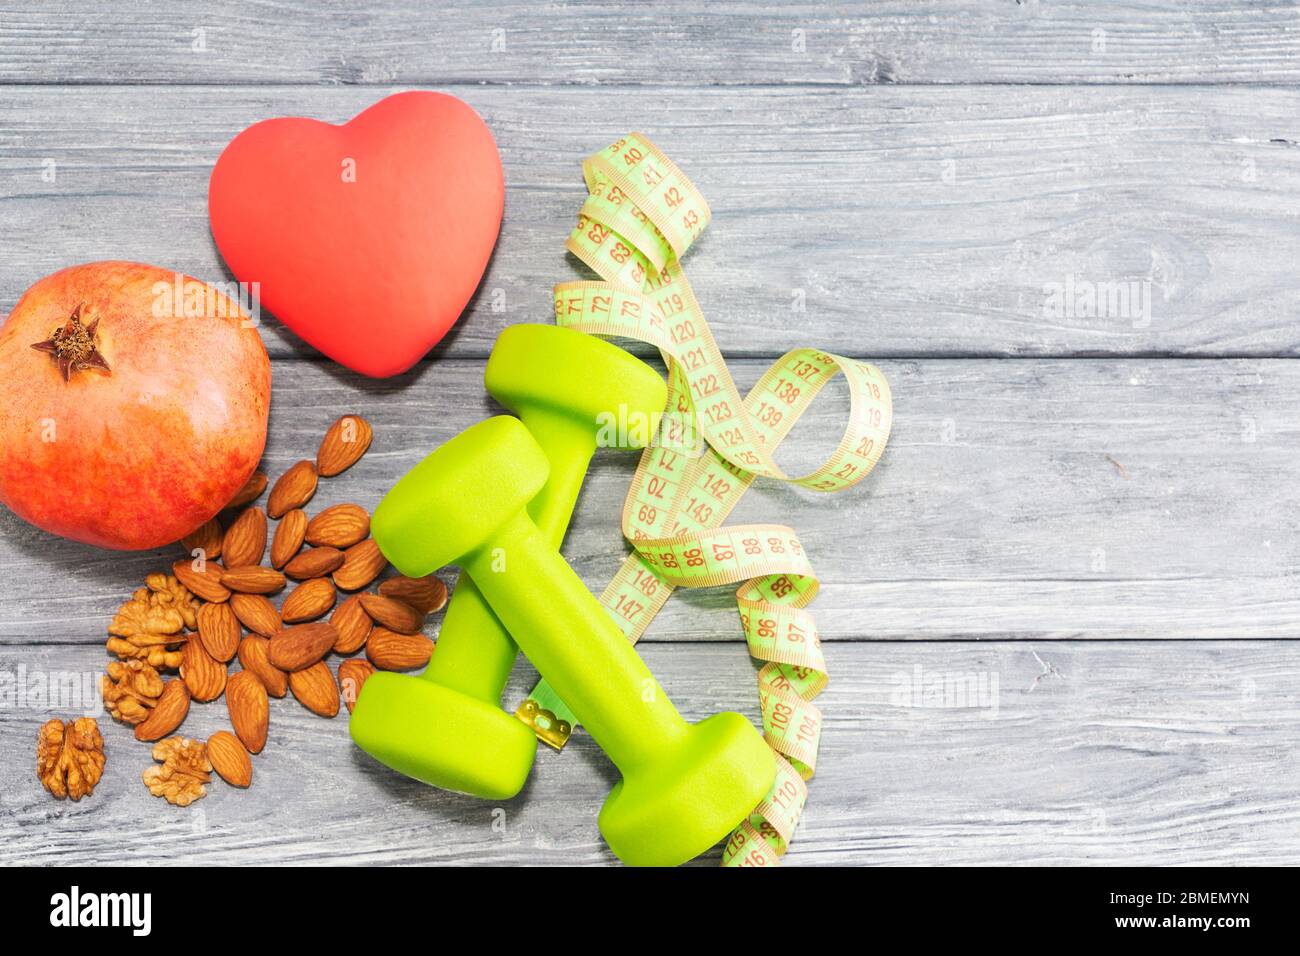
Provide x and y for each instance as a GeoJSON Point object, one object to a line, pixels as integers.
{"type": "Point", "coordinates": [475, 652]}
{"type": "Point", "coordinates": [571, 639]}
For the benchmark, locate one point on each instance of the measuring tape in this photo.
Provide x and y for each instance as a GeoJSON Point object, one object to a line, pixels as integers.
{"type": "Point", "coordinates": [640, 216]}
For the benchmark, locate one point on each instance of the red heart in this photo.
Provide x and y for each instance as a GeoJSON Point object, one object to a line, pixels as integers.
{"type": "Point", "coordinates": [367, 239]}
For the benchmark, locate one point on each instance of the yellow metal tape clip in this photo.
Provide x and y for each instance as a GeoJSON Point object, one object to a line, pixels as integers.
{"type": "Point", "coordinates": [550, 730]}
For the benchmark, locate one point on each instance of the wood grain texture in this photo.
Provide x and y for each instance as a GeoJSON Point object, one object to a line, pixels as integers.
{"type": "Point", "coordinates": [679, 42]}
{"type": "Point", "coordinates": [1081, 753]}
{"type": "Point", "coordinates": [1029, 499]}
{"type": "Point", "coordinates": [890, 222]}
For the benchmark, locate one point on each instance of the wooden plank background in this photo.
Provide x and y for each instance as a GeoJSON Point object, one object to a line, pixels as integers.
{"type": "Point", "coordinates": [692, 45]}
{"type": "Point", "coordinates": [1094, 514]}
{"type": "Point", "coordinates": [920, 222]}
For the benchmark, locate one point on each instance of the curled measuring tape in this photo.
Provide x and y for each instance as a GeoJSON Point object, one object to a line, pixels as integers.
{"type": "Point", "coordinates": [640, 216]}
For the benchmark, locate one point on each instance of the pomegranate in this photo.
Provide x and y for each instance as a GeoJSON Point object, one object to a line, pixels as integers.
{"type": "Point", "coordinates": [134, 404]}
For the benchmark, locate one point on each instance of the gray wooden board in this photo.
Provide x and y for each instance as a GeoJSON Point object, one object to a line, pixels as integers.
{"type": "Point", "coordinates": [1142, 753]}
{"type": "Point", "coordinates": [1027, 499]}
{"type": "Point", "coordinates": [684, 42]}
{"type": "Point", "coordinates": [884, 222]}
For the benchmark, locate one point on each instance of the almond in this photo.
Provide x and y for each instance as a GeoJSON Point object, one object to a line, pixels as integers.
{"type": "Point", "coordinates": [293, 490]}
{"type": "Point", "coordinates": [255, 656]}
{"type": "Point", "coordinates": [252, 489]}
{"type": "Point", "coordinates": [362, 563]}
{"type": "Point", "coordinates": [427, 594]}
{"type": "Point", "coordinates": [205, 583]}
{"type": "Point", "coordinates": [391, 651]}
{"type": "Point", "coordinates": [219, 630]}
{"type": "Point", "coordinates": [167, 714]}
{"type": "Point", "coordinates": [230, 759]}
{"type": "Point", "coordinates": [289, 536]}
{"type": "Point", "coordinates": [253, 579]}
{"type": "Point", "coordinates": [203, 674]}
{"type": "Point", "coordinates": [352, 676]}
{"type": "Point", "coordinates": [343, 445]}
{"type": "Point", "coordinates": [353, 624]}
{"type": "Point", "coordinates": [392, 614]}
{"type": "Point", "coordinates": [245, 540]}
{"type": "Point", "coordinates": [315, 689]}
{"type": "Point", "coordinates": [257, 613]}
{"type": "Point", "coordinates": [339, 526]}
{"type": "Point", "coordinates": [295, 648]}
{"type": "Point", "coordinates": [205, 538]}
{"type": "Point", "coordinates": [314, 563]}
{"type": "Point", "coordinates": [308, 601]}
{"type": "Point", "coordinates": [249, 709]}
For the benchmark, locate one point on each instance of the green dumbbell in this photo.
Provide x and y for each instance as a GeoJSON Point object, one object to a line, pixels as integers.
{"type": "Point", "coordinates": [684, 786]}
{"type": "Point", "coordinates": [446, 726]}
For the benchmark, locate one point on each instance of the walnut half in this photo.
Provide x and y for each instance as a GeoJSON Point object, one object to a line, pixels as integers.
{"type": "Point", "coordinates": [70, 757]}
{"type": "Point", "coordinates": [131, 688]}
{"type": "Point", "coordinates": [166, 591]}
{"type": "Point", "coordinates": [152, 623]}
{"type": "Point", "coordinates": [183, 773]}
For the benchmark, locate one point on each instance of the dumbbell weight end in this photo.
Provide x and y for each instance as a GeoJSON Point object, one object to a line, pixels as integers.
{"type": "Point", "coordinates": [442, 737]}
{"type": "Point", "coordinates": [445, 727]}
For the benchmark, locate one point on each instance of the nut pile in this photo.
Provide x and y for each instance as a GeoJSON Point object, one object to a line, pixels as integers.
{"type": "Point", "coordinates": [217, 605]}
